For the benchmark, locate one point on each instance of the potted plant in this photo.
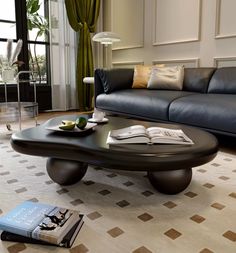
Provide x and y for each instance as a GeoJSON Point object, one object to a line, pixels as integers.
{"type": "Point", "coordinates": [11, 59]}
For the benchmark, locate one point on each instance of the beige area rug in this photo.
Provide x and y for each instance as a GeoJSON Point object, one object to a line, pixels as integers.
{"type": "Point", "coordinates": [123, 213]}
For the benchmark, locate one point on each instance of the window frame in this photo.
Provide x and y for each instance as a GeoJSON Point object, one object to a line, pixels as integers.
{"type": "Point", "coordinates": [22, 33]}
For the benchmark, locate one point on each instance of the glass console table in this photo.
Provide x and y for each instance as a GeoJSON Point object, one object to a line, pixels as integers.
{"type": "Point", "coordinates": [17, 111]}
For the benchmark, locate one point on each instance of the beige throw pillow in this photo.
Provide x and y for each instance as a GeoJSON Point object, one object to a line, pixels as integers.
{"type": "Point", "coordinates": [141, 75]}
{"type": "Point", "coordinates": [166, 78]}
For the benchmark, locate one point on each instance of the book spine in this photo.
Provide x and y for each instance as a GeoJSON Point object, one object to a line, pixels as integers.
{"type": "Point", "coordinates": [7, 236]}
{"type": "Point", "coordinates": [15, 230]}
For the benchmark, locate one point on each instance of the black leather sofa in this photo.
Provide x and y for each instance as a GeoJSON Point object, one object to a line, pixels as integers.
{"type": "Point", "coordinates": [208, 98]}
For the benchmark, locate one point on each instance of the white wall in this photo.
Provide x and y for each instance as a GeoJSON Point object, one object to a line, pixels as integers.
{"type": "Point", "coordinates": [190, 32]}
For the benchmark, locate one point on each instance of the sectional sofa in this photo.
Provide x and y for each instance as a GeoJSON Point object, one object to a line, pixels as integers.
{"type": "Point", "coordinates": [207, 100]}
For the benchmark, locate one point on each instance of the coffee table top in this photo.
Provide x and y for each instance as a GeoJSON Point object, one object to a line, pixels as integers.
{"type": "Point", "coordinates": [92, 148]}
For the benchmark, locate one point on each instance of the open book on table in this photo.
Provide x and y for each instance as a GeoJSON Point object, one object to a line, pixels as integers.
{"type": "Point", "coordinates": [140, 134]}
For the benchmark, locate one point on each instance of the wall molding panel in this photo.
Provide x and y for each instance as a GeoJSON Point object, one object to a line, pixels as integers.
{"type": "Point", "coordinates": [225, 19]}
{"type": "Point", "coordinates": [187, 62]}
{"type": "Point", "coordinates": [194, 33]}
{"type": "Point", "coordinates": [124, 64]}
{"type": "Point", "coordinates": [224, 61]}
{"type": "Point", "coordinates": [131, 26]}
{"type": "Point", "coordinates": [164, 28]}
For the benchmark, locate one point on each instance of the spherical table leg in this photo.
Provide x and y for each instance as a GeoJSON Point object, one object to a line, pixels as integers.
{"type": "Point", "coordinates": [170, 181]}
{"type": "Point", "coordinates": [65, 172]}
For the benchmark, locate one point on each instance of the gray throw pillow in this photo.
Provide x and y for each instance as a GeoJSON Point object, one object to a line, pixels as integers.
{"type": "Point", "coordinates": [166, 78]}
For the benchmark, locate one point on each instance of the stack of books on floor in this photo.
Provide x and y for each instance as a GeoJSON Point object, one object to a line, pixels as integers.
{"type": "Point", "coordinates": [39, 223]}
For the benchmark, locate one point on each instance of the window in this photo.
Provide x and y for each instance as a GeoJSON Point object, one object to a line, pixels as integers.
{"type": "Point", "coordinates": [27, 20]}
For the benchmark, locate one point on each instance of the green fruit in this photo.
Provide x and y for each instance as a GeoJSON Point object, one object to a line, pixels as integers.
{"type": "Point", "coordinates": [81, 122]}
{"type": "Point", "coordinates": [68, 126]}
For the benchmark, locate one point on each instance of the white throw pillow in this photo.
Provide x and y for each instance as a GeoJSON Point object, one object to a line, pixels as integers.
{"type": "Point", "coordinates": [166, 78]}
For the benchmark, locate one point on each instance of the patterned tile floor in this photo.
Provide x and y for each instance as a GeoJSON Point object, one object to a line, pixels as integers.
{"type": "Point", "coordinates": [123, 213]}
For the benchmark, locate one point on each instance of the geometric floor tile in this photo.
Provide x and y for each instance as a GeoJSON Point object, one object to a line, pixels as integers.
{"type": "Point", "coordinates": [94, 215]}
{"type": "Point", "coordinates": [33, 200]}
{"type": "Point", "coordinates": [23, 161]}
{"type": "Point", "coordinates": [38, 174]}
{"type": "Point", "coordinates": [62, 191]}
{"type": "Point", "coordinates": [190, 194]}
{"type": "Point", "coordinates": [89, 182]}
{"type": "Point", "coordinates": [4, 173]}
{"type": "Point", "coordinates": [15, 248]}
{"type": "Point", "coordinates": [206, 251]}
{"type": "Point", "coordinates": [31, 167]}
{"type": "Point", "coordinates": [147, 193]}
{"type": "Point", "coordinates": [49, 182]}
{"type": "Point", "coordinates": [77, 202]}
{"type": "Point", "coordinates": [23, 189]}
{"type": "Point", "coordinates": [81, 248]}
{"type": "Point", "coordinates": [169, 204]}
{"type": "Point", "coordinates": [142, 250]}
{"type": "Point", "coordinates": [197, 218]}
{"type": "Point", "coordinates": [128, 183]}
{"type": "Point", "coordinates": [215, 164]}
{"type": "Point", "coordinates": [115, 232]}
{"type": "Point", "coordinates": [233, 195]}
{"type": "Point", "coordinates": [201, 170]}
{"type": "Point", "coordinates": [230, 235]}
{"type": "Point", "coordinates": [123, 203]}
{"type": "Point", "coordinates": [98, 168]}
{"type": "Point", "coordinates": [223, 178]}
{"type": "Point", "coordinates": [16, 155]}
{"type": "Point", "coordinates": [11, 181]}
{"type": "Point", "coordinates": [218, 206]}
{"type": "Point", "coordinates": [208, 185]}
{"type": "Point", "coordinates": [145, 217]}
{"type": "Point", "coordinates": [104, 192]}
{"type": "Point", "coordinates": [227, 159]}
{"type": "Point", "coordinates": [172, 233]}
{"type": "Point", "coordinates": [112, 175]}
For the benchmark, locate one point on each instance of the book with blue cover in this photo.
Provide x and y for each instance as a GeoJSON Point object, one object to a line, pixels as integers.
{"type": "Point", "coordinates": [67, 241]}
{"type": "Point", "coordinates": [40, 221]}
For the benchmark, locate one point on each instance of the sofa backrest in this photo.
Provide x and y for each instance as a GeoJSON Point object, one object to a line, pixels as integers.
{"type": "Point", "coordinates": [197, 79]}
{"type": "Point", "coordinates": [223, 81]}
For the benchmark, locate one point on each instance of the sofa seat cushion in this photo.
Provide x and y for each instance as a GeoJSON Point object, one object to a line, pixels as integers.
{"type": "Point", "coordinates": [211, 111]}
{"type": "Point", "coordinates": [149, 104]}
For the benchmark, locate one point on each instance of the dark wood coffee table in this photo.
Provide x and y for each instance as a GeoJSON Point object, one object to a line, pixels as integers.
{"type": "Point", "coordinates": [169, 167]}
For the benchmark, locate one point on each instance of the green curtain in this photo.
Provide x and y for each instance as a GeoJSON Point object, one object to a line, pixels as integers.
{"type": "Point", "coordinates": [82, 16]}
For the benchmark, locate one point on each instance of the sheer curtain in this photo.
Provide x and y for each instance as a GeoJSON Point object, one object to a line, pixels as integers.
{"type": "Point", "coordinates": [63, 58]}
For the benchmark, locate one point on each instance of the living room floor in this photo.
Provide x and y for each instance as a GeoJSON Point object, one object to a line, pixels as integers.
{"type": "Point", "coordinates": [123, 213]}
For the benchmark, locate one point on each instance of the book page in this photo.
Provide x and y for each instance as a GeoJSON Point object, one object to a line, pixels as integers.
{"type": "Point", "coordinates": [166, 135]}
{"type": "Point", "coordinates": [131, 140]}
{"type": "Point", "coordinates": [129, 132]}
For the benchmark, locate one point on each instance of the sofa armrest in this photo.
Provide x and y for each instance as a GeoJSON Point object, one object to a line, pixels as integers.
{"type": "Point", "coordinates": [113, 79]}
{"type": "Point", "coordinates": [98, 86]}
